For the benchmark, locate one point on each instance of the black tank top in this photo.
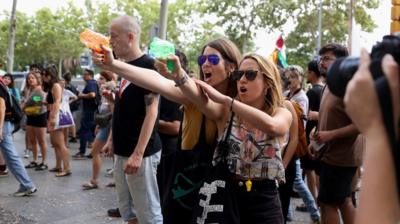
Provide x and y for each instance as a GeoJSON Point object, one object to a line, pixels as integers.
{"type": "Point", "coordinates": [50, 98]}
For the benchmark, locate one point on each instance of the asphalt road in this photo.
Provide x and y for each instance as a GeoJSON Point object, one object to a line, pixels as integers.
{"type": "Point", "coordinates": [62, 200]}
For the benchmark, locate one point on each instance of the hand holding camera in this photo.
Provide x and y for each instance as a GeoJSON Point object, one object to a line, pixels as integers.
{"type": "Point", "coordinates": [361, 99]}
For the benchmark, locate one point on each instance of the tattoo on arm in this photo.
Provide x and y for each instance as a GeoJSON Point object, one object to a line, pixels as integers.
{"type": "Point", "coordinates": [149, 98]}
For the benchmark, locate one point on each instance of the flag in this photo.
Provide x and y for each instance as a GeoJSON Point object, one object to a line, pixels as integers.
{"type": "Point", "coordinates": [278, 56]}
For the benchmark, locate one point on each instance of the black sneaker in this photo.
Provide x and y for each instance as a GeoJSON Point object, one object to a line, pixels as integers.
{"type": "Point", "coordinates": [79, 156]}
{"type": "Point", "coordinates": [301, 208]}
{"type": "Point", "coordinates": [73, 140]}
{"type": "Point", "coordinates": [89, 156]}
{"type": "Point", "coordinates": [22, 192]}
{"type": "Point", "coordinates": [114, 212]}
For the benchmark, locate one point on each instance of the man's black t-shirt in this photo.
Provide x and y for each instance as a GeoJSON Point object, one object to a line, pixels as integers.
{"type": "Point", "coordinates": [129, 114]}
{"type": "Point", "coordinates": [169, 111]}
{"type": "Point", "coordinates": [314, 98]}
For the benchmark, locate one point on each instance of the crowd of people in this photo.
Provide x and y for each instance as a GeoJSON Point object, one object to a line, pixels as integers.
{"type": "Point", "coordinates": [171, 135]}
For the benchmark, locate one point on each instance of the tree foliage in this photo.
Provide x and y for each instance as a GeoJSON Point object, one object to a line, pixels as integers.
{"type": "Point", "coordinates": [301, 42]}
{"type": "Point", "coordinates": [241, 19]}
{"type": "Point", "coordinates": [46, 37]}
{"type": "Point", "coordinates": [49, 37]}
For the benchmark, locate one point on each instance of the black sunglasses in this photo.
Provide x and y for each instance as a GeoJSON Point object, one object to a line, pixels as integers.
{"type": "Point", "coordinates": [212, 58]}
{"type": "Point", "coordinates": [249, 74]}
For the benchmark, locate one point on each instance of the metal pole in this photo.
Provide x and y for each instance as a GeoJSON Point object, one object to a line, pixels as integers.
{"type": "Point", "coordinates": [11, 38]}
{"type": "Point", "coordinates": [162, 33]}
{"type": "Point", "coordinates": [319, 27]}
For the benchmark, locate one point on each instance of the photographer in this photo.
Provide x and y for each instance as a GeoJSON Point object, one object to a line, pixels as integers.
{"type": "Point", "coordinates": [379, 198]}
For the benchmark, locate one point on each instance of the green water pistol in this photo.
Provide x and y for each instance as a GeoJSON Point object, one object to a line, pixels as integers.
{"type": "Point", "coordinates": [161, 49]}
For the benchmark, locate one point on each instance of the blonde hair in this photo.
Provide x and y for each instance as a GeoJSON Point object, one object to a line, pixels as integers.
{"type": "Point", "coordinates": [37, 76]}
{"type": "Point", "coordinates": [273, 97]}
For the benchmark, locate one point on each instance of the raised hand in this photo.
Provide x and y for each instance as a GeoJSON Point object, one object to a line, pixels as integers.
{"type": "Point", "coordinates": [176, 74]}
{"type": "Point", "coordinates": [212, 93]}
{"type": "Point", "coordinates": [104, 58]}
{"type": "Point", "coordinates": [361, 99]}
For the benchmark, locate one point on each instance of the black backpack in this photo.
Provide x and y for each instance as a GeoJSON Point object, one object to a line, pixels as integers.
{"type": "Point", "coordinates": [16, 113]}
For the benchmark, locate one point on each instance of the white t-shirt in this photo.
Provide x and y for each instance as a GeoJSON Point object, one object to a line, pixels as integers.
{"type": "Point", "coordinates": [67, 94]}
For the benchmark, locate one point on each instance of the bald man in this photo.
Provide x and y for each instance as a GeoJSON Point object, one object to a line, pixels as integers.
{"type": "Point", "coordinates": [134, 138]}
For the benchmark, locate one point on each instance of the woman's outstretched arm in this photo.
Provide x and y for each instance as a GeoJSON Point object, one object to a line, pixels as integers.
{"type": "Point", "coordinates": [146, 78]}
{"type": "Point", "coordinates": [187, 92]}
{"type": "Point", "coordinates": [275, 125]}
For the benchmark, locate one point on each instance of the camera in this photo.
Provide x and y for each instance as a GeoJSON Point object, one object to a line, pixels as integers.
{"type": "Point", "coordinates": [343, 69]}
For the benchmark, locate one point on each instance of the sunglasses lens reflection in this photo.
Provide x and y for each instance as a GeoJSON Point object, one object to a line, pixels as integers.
{"type": "Point", "coordinates": [212, 58]}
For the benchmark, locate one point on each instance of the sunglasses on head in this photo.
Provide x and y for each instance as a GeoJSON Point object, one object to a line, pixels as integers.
{"type": "Point", "coordinates": [212, 58]}
{"type": "Point", "coordinates": [249, 74]}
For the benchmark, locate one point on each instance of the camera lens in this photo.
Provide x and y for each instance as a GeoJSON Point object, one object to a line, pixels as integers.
{"type": "Point", "coordinates": [343, 69]}
{"type": "Point", "coordinates": [340, 73]}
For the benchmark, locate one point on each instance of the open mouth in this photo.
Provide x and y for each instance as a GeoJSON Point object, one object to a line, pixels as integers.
{"type": "Point", "coordinates": [207, 75]}
{"type": "Point", "coordinates": [243, 89]}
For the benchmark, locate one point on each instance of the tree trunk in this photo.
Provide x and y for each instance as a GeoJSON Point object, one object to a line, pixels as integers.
{"type": "Point", "coordinates": [60, 62]}
{"type": "Point", "coordinates": [163, 19]}
{"type": "Point", "coordinates": [11, 38]}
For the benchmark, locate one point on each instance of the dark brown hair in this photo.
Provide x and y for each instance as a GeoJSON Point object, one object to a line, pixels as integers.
{"type": "Point", "coordinates": [12, 84]}
{"type": "Point", "coordinates": [230, 53]}
{"type": "Point", "coordinates": [50, 71]}
{"type": "Point", "coordinates": [337, 49]}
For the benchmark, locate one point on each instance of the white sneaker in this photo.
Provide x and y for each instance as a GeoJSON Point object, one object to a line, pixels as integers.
{"type": "Point", "coordinates": [4, 173]}
{"type": "Point", "coordinates": [40, 155]}
{"type": "Point", "coordinates": [109, 172]}
{"type": "Point", "coordinates": [26, 155]}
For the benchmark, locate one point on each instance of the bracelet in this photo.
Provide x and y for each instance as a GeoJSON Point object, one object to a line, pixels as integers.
{"type": "Point", "coordinates": [181, 81]}
{"type": "Point", "coordinates": [233, 99]}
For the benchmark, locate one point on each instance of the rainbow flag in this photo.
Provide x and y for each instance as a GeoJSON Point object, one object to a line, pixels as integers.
{"type": "Point", "coordinates": [278, 56]}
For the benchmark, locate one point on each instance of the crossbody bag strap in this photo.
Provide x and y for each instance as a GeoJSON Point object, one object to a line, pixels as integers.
{"type": "Point", "coordinates": [228, 131]}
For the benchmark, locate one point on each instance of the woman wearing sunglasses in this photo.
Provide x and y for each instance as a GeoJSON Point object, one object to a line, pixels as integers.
{"type": "Point", "coordinates": [259, 129]}
{"type": "Point", "coordinates": [198, 134]}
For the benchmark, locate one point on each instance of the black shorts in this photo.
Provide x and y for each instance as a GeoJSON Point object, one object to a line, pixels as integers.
{"type": "Point", "coordinates": [261, 204]}
{"type": "Point", "coordinates": [39, 121]}
{"type": "Point", "coordinates": [309, 164]}
{"type": "Point", "coordinates": [335, 183]}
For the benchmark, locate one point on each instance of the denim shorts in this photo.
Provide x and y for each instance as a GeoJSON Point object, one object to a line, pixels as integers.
{"type": "Point", "coordinates": [103, 133]}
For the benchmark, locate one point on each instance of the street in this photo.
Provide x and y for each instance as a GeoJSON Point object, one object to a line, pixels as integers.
{"type": "Point", "coordinates": [62, 200]}
{"type": "Point", "coordinates": [58, 200]}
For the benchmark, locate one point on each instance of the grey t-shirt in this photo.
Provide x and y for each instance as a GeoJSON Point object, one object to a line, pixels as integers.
{"type": "Point", "coordinates": [35, 99]}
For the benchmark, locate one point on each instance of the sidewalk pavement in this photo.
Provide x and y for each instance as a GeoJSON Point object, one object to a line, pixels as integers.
{"type": "Point", "coordinates": [61, 200]}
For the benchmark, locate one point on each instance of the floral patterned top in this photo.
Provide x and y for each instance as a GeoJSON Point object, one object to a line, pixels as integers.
{"type": "Point", "coordinates": [252, 153]}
